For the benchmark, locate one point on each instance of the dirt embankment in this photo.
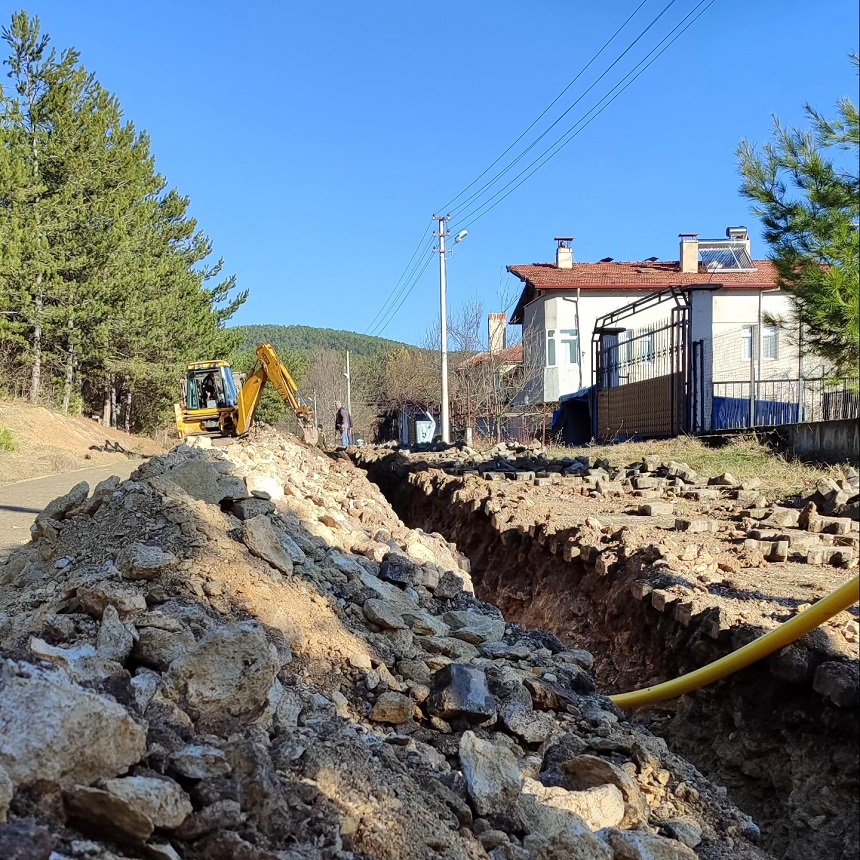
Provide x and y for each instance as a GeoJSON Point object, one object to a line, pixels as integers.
{"type": "Point", "coordinates": [651, 602]}
{"type": "Point", "coordinates": [47, 442]}
{"type": "Point", "coordinates": [253, 658]}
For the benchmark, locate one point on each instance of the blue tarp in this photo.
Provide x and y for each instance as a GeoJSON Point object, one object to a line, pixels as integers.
{"type": "Point", "coordinates": [731, 413]}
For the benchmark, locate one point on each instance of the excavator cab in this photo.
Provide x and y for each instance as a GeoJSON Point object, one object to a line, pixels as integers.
{"type": "Point", "coordinates": [209, 400]}
{"type": "Point", "coordinates": [210, 386]}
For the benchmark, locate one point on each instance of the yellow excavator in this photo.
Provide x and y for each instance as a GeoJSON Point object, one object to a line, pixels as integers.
{"type": "Point", "coordinates": [213, 404]}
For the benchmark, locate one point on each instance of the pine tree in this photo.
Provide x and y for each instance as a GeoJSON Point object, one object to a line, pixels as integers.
{"type": "Point", "coordinates": [806, 189]}
{"type": "Point", "coordinates": [104, 278]}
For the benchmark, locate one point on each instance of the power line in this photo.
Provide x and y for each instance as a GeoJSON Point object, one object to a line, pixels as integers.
{"type": "Point", "coordinates": [407, 286]}
{"type": "Point", "coordinates": [402, 274]}
{"type": "Point", "coordinates": [546, 110]}
{"type": "Point", "coordinates": [406, 295]}
{"type": "Point", "coordinates": [572, 132]}
{"type": "Point", "coordinates": [552, 125]}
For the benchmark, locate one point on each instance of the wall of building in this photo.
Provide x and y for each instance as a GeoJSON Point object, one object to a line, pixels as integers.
{"type": "Point", "coordinates": [732, 311]}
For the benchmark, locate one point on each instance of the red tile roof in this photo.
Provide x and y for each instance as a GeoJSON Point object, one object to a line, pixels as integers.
{"type": "Point", "coordinates": [643, 276]}
{"type": "Point", "coordinates": [511, 355]}
{"type": "Point", "coordinates": [631, 277]}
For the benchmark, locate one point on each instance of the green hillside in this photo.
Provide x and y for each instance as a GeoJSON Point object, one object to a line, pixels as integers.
{"type": "Point", "coordinates": [305, 338]}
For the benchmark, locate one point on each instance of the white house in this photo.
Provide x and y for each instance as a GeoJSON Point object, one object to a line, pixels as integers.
{"type": "Point", "coordinates": [561, 302]}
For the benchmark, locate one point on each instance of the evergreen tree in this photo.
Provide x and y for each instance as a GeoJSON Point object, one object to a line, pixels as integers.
{"type": "Point", "coordinates": [806, 189]}
{"type": "Point", "coordinates": [104, 281]}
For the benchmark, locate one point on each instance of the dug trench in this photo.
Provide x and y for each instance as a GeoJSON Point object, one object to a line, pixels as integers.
{"type": "Point", "coordinates": [781, 736]}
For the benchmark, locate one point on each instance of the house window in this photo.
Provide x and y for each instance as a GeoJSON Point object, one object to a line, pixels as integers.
{"type": "Point", "coordinates": [770, 342]}
{"type": "Point", "coordinates": [569, 346]}
{"type": "Point", "coordinates": [646, 347]}
{"type": "Point", "coordinates": [550, 348]}
{"type": "Point", "coordinates": [747, 342]}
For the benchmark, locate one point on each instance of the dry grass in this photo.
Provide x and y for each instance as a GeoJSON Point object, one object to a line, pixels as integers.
{"type": "Point", "coordinates": [743, 457]}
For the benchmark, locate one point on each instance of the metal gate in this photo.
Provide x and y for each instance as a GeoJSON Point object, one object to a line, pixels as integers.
{"type": "Point", "coordinates": [642, 374]}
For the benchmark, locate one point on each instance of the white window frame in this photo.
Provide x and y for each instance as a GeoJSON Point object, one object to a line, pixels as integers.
{"type": "Point", "coordinates": [647, 348]}
{"type": "Point", "coordinates": [570, 345]}
{"type": "Point", "coordinates": [550, 343]}
{"type": "Point", "coordinates": [747, 342]}
{"type": "Point", "coordinates": [770, 335]}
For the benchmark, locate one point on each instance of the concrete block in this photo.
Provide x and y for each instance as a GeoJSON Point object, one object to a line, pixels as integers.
{"type": "Point", "coordinates": [696, 526]}
{"type": "Point", "coordinates": [657, 509]}
{"type": "Point", "coordinates": [523, 476]}
{"type": "Point", "coordinates": [607, 488]}
{"type": "Point", "coordinates": [663, 600]}
{"type": "Point", "coordinates": [641, 588]}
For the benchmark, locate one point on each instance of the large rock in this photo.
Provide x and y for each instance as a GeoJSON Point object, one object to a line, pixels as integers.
{"type": "Point", "coordinates": [259, 482]}
{"type": "Point", "coordinates": [598, 807]}
{"type": "Point", "coordinates": [248, 509]}
{"type": "Point", "coordinates": [114, 640]}
{"type": "Point", "coordinates": [232, 487]}
{"type": "Point", "coordinates": [393, 708]}
{"type": "Point", "coordinates": [639, 845]}
{"type": "Point", "coordinates": [461, 692]}
{"type": "Point", "coordinates": [534, 727]}
{"type": "Point", "coordinates": [383, 614]}
{"type": "Point", "coordinates": [552, 823]}
{"type": "Point", "coordinates": [225, 677]}
{"type": "Point", "coordinates": [108, 813]}
{"type": "Point", "coordinates": [200, 761]}
{"type": "Point", "coordinates": [491, 774]}
{"type": "Point", "coordinates": [158, 648]}
{"type": "Point", "coordinates": [261, 539]}
{"type": "Point", "coordinates": [63, 733]}
{"type": "Point", "coordinates": [588, 771]}
{"type": "Point", "coordinates": [139, 561]}
{"type": "Point", "coordinates": [128, 599]}
{"type": "Point", "coordinates": [474, 627]}
{"type": "Point", "coordinates": [160, 799]}
{"type": "Point", "coordinates": [199, 478]}
{"type": "Point", "coordinates": [58, 509]}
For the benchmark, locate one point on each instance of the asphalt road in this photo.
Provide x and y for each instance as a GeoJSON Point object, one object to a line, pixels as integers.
{"type": "Point", "coordinates": [21, 501]}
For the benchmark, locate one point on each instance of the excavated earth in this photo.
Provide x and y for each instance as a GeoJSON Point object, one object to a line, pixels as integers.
{"type": "Point", "coordinates": [656, 571]}
{"type": "Point", "coordinates": [243, 654]}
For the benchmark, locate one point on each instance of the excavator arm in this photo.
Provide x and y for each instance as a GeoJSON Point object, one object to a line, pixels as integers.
{"type": "Point", "coordinates": [271, 369]}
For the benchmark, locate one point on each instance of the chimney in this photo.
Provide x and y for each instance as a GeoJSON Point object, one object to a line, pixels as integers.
{"type": "Point", "coordinates": [689, 261]}
{"type": "Point", "coordinates": [498, 331]}
{"type": "Point", "coordinates": [564, 252]}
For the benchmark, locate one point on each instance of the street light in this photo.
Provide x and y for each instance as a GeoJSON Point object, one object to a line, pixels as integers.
{"type": "Point", "coordinates": [443, 288]}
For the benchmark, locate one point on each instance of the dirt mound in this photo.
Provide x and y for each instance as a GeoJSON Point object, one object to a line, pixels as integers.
{"type": "Point", "coordinates": [254, 658]}
{"type": "Point", "coordinates": [48, 442]}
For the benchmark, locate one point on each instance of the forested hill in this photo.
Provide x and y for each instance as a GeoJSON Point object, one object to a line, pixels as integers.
{"type": "Point", "coordinates": [307, 339]}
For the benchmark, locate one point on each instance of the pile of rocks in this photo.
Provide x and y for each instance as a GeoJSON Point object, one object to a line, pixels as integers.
{"type": "Point", "coordinates": [243, 653]}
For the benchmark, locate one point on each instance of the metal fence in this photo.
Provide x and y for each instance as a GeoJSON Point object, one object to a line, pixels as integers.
{"type": "Point", "coordinates": [739, 404]}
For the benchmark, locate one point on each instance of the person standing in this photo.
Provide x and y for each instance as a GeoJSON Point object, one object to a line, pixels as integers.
{"type": "Point", "coordinates": [343, 424]}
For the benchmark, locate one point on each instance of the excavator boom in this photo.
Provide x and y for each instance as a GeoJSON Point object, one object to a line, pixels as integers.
{"type": "Point", "coordinates": [272, 369]}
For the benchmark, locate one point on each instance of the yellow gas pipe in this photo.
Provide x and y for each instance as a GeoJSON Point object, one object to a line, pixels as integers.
{"type": "Point", "coordinates": [844, 596]}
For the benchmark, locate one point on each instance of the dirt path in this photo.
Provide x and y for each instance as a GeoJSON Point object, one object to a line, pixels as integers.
{"type": "Point", "coordinates": [21, 501]}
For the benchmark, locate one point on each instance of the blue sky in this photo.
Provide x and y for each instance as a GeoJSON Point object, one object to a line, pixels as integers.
{"type": "Point", "coordinates": [316, 140]}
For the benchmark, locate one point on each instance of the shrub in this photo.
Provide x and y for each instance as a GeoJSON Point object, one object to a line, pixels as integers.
{"type": "Point", "coordinates": [7, 440]}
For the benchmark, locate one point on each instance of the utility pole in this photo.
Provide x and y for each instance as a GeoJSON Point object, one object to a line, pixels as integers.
{"type": "Point", "coordinates": [348, 385]}
{"type": "Point", "coordinates": [443, 287]}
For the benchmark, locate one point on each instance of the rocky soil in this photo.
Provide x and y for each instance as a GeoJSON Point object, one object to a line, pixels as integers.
{"type": "Point", "coordinates": [657, 570]}
{"type": "Point", "coordinates": [243, 653]}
